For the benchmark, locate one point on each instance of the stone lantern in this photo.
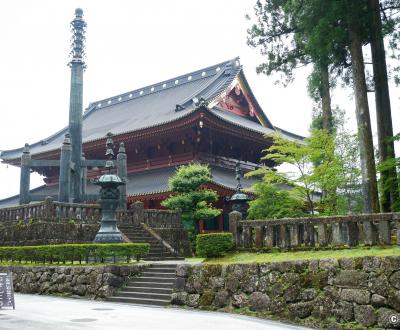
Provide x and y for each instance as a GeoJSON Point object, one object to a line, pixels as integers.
{"type": "Point", "coordinates": [239, 199]}
{"type": "Point", "coordinates": [109, 199]}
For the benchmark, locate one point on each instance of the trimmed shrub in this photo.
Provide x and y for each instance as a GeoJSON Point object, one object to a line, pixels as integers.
{"type": "Point", "coordinates": [74, 252]}
{"type": "Point", "coordinates": [213, 245]}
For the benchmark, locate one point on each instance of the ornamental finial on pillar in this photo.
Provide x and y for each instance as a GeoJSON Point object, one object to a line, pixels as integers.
{"type": "Point", "coordinates": [109, 152]}
{"type": "Point", "coordinates": [238, 176]}
{"type": "Point", "coordinates": [78, 29]}
{"type": "Point", "coordinates": [26, 149]}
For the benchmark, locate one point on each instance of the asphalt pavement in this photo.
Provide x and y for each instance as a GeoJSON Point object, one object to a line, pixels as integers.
{"type": "Point", "coordinates": [34, 312]}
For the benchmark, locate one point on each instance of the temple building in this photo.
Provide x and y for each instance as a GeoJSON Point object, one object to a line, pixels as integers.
{"type": "Point", "coordinates": [208, 116]}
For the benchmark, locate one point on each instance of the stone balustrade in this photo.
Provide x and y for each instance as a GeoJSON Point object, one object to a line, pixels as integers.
{"type": "Point", "coordinates": [50, 210]}
{"type": "Point", "coordinates": [137, 214]}
{"type": "Point", "coordinates": [351, 230]}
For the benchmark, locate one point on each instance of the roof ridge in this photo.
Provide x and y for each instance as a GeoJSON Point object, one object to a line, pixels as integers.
{"type": "Point", "coordinates": [163, 85]}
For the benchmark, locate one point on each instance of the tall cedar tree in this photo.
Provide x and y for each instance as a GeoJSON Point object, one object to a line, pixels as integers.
{"type": "Point", "coordinates": [332, 33]}
{"type": "Point", "coordinates": [389, 184]}
{"type": "Point", "coordinates": [353, 10]}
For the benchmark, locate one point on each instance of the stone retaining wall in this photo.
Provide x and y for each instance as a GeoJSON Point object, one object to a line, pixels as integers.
{"type": "Point", "coordinates": [89, 281]}
{"type": "Point", "coordinates": [325, 293]}
{"type": "Point", "coordinates": [42, 233]}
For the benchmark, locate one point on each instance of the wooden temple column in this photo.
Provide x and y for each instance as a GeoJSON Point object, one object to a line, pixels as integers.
{"type": "Point", "coordinates": [25, 178]}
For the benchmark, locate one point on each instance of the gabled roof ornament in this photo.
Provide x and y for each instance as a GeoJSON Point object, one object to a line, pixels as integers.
{"type": "Point", "coordinates": [228, 69]}
{"type": "Point", "coordinates": [200, 102]}
{"type": "Point", "coordinates": [179, 107]}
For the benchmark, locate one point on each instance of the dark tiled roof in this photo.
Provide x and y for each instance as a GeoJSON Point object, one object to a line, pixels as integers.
{"type": "Point", "coordinates": [155, 105]}
{"type": "Point", "coordinates": [145, 107]}
{"type": "Point", "coordinates": [144, 183]}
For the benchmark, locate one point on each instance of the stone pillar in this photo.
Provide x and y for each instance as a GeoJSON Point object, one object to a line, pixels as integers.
{"type": "Point", "coordinates": [294, 235]}
{"type": "Point", "coordinates": [77, 66]}
{"type": "Point", "coordinates": [322, 234]}
{"type": "Point", "coordinates": [84, 178]}
{"type": "Point", "coordinates": [49, 209]}
{"type": "Point", "coordinates": [369, 233]}
{"type": "Point", "coordinates": [337, 238]}
{"type": "Point", "coordinates": [247, 237]}
{"type": "Point", "coordinates": [269, 237]}
{"type": "Point", "coordinates": [25, 178]}
{"type": "Point", "coordinates": [283, 237]}
{"type": "Point", "coordinates": [352, 233]}
{"type": "Point", "coordinates": [259, 236]}
{"type": "Point", "coordinates": [64, 187]}
{"type": "Point", "coordinates": [137, 213]}
{"type": "Point", "coordinates": [384, 232]}
{"type": "Point", "coordinates": [122, 172]}
{"type": "Point", "coordinates": [234, 218]}
{"type": "Point", "coordinates": [309, 239]}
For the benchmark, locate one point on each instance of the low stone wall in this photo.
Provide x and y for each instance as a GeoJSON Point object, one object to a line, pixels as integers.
{"type": "Point", "coordinates": [89, 281]}
{"type": "Point", "coordinates": [178, 238]}
{"type": "Point", "coordinates": [42, 233]}
{"type": "Point", "coordinates": [325, 293]}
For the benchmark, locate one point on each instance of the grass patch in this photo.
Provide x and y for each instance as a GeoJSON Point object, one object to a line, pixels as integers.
{"type": "Point", "coordinates": [276, 256]}
{"type": "Point", "coordinates": [194, 259]}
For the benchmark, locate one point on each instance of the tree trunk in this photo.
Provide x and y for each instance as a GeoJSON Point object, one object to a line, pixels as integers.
{"type": "Point", "coordinates": [326, 98]}
{"type": "Point", "coordinates": [383, 112]}
{"type": "Point", "coordinates": [368, 171]}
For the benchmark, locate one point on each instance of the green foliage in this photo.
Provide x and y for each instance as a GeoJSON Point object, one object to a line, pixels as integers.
{"type": "Point", "coordinates": [274, 203]}
{"type": "Point", "coordinates": [388, 165]}
{"type": "Point", "coordinates": [324, 163]}
{"type": "Point", "coordinates": [213, 245]}
{"type": "Point", "coordinates": [73, 252]}
{"type": "Point", "coordinates": [191, 198]}
{"type": "Point", "coordinates": [189, 178]}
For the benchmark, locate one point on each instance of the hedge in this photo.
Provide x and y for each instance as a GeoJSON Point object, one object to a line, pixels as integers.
{"type": "Point", "coordinates": [74, 252]}
{"type": "Point", "coordinates": [213, 245]}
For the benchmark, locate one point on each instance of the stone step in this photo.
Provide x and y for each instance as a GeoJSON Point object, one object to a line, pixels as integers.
{"type": "Point", "coordinates": [142, 238]}
{"type": "Point", "coordinates": [160, 275]}
{"type": "Point", "coordinates": [164, 258]}
{"type": "Point", "coordinates": [153, 279]}
{"type": "Point", "coordinates": [159, 254]}
{"type": "Point", "coordinates": [151, 285]}
{"type": "Point", "coordinates": [161, 270]}
{"type": "Point", "coordinates": [145, 295]}
{"type": "Point", "coordinates": [151, 289]}
{"type": "Point", "coordinates": [156, 266]}
{"type": "Point", "coordinates": [140, 301]}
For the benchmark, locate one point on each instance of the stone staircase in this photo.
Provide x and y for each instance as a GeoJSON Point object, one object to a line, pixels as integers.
{"type": "Point", "coordinates": [154, 287]}
{"type": "Point", "coordinates": [157, 250]}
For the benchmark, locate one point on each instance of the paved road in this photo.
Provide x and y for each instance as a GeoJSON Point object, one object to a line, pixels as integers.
{"type": "Point", "coordinates": [35, 312]}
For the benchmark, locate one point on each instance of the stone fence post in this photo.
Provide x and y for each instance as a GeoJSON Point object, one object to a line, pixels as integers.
{"type": "Point", "coordinates": [49, 208]}
{"type": "Point", "coordinates": [234, 218]}
{"type": "Point", "coordinates": [137, 213]}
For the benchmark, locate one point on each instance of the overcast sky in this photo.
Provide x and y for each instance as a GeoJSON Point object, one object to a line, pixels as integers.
{"type": "Point", "coordinates": [130, 44]}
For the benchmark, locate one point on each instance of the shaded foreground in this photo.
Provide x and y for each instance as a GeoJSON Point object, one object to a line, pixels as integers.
{"type": "Point", "coordinates": [45, 313]}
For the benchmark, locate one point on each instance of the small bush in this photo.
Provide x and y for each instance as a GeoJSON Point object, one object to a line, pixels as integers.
{"type": "Point", "coordinates": [213, 245]}
{"type": "Point", "coordinates": [73, 252]}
